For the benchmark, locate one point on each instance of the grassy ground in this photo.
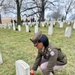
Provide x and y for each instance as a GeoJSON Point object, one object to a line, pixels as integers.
{"type": "Point", "coordinates": [16, 45]}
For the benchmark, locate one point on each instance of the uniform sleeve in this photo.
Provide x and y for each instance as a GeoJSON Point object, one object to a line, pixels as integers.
{"type": "Point", "coordinates": [52, 61]}
{"type": "Point", "coordinates": [37, 61]}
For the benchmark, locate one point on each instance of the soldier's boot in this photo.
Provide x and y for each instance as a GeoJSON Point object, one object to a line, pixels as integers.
{"type": "Point", "coordinates": [53, 72]}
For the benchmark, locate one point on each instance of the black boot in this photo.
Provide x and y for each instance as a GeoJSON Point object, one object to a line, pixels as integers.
{"type": "Point", "coordinates": [53, 72]}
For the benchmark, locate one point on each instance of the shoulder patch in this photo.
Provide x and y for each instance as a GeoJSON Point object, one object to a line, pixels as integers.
{"type": "Point", "coordinates": [49, 49]}
{"type": "Point", "coordinates": [52, 53]}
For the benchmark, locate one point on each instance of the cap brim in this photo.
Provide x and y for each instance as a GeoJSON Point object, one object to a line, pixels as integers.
{"type": "Point", "coordinates": [33, 41]}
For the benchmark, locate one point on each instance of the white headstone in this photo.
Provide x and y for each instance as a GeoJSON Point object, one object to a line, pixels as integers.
{"type": "Point", "coordinates": [37, 22]}
{"type": "Point", "coordinates": [22, 68]}
{"type": "Point", "coordinates": [68, 32]}
{"type": "Point", "coordinates": [1, 61]}
{"type": "Point", "coordinates": [33, 23]}
{"type": "Point", "coordinates": [9, 26]}
{"type": "Point", "coordinates": [68, 22]}
{"type": "Point", "coordinates": [53, 22]}
{"type": "Point", "coordinates": [47, 22]}
{"type": "Point", "coordinates": [43, 24]}
{"type": "Point", "coordinates": [14, 28]}
{"type": "Point", "coordinates": [50, 29]}
{"type": "Point", "coordinates": [61, 24]}
{"type": "Point", "coordinates": [4, 25]}
{"type": "Point", "coordinates": [1, 25]}
{"type": "Point", "coordinates": [36, 28]}
{"type": "Point", "coordinates": [27, 28]}
{"type": "Point", "coordinates": [19, 28]}
{"type": "Point", "coordinates": [74, 25]}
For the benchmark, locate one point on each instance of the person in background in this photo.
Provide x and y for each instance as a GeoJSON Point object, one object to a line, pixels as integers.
{"type": "Point", "coordinates": [49, 57]}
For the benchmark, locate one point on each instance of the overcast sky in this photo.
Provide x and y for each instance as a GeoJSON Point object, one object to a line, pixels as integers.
{"type": "Point", "coordinates": [47, 11]}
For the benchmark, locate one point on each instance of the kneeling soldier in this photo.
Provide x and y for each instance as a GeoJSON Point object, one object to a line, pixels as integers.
{"type": "Point", "coordinates": [49, 57]}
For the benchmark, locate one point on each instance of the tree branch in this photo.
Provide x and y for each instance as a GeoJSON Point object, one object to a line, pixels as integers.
{"type": "Point", "coordinates": [28, 9]}
{"type": "Point", "coordinates": [30, 14]}
{"type": "Point", "coordinates": [1, 3]}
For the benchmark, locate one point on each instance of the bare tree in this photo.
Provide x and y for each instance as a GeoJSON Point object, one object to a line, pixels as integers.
{"type": "Point", "coordinates": [65, 7]}
{"type": "Point", "coordinates": [69, 6]}
{"type": "Point", "coordinates": [1, 4]}
{"type": "Point", "coordinates": [56, 15]}
{"type": "Point", "coordinates": [38, 7]}
{"type": "Point", "coordinates": [28, 8]}
{"type": "Point", "coordinates": [14, 6]}
{"type": "Point", "coordinates": [56, 11]}
{"type": "Point", "coordinates": [18, 3]}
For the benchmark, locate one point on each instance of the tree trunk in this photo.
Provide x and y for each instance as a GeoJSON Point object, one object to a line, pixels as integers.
{"type": "Point", "coordinates": [0, 19]}
{"type": "Point", "coordinates": [42, 15]}
{"type": "Point", "coordinates": [18, 14]}
{"type": "Point", "coordinates": [42, 11]}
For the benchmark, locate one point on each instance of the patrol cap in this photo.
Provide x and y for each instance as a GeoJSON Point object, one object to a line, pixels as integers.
{"type": "Point", "coordinates": [36, 37]}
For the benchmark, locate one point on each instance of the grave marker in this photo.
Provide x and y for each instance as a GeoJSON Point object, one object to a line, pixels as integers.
{"type": "Point", "coordinates": [1, 61]}
{"type": "Point", "coordinates": [68, 32]}
{"type": "Point", "coordinates": [4, 25]}
{"type": "Point", "coordinates": [9, 26]}
{"type": "Point", "coordinates": [22, 68]}
{"type": "Point", "coordinates": [19, 28]}
{"type": "Point", "coordinates": [43, 24]}
{"type": "Point", "coordinates": [14, 28]}
{"type": "Point", "coordinates": [27, 28]}
{"type": "Point", "coordinates": [61, 24]}
{"type": "Point", "coordinates": [36, 28]}
{"type": "Point", "coordinates": [74, 25]}
{"type": "Point", "coordinates": [50, 29]}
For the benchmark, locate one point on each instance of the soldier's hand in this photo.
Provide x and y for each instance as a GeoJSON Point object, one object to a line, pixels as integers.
{"type": "Point", "coordinates": [31, 72]}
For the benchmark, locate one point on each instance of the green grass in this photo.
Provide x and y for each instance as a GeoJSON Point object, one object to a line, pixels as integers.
{"type": "Point", "coordinates": [16, 45]}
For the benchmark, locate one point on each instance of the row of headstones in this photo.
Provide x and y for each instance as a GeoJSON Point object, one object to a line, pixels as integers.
{"type": "Point", "coordinates": [68, 23]}
{"type": "Point", "coordinates": [22, 68]}
{"type": "Point", "coordinates": [61, 23]}
{"type": "Point", "coordinates": [68, 30]}
{"type": "Point", "coordinates": [14, 27]}
{"type": "Point", "coordinates": [5, 26]}
{"type": "Point", "coordinates": [43, 24]}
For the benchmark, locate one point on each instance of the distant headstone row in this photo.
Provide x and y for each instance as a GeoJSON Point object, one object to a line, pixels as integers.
{"type": "Point", "coordinates": [50, 24]}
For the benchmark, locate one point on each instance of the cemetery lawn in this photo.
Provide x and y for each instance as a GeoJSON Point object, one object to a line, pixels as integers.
{"type": "Point", "coordinates": [15, 45]}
